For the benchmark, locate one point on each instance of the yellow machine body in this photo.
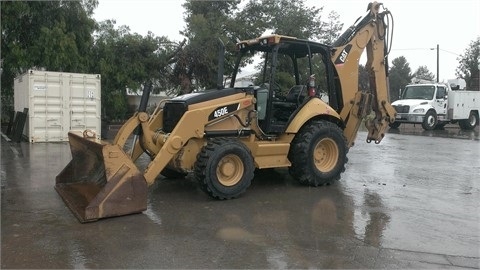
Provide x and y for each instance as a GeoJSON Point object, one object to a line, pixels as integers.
{"type": "Point", "coordinates": [222, 136]}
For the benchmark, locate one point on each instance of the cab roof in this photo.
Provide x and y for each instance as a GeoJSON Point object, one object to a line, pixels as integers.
{"type": "Point", "coordinates": [266, 43]}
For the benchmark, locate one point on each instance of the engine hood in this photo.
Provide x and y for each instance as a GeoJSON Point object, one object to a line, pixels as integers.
{"type": "Point", "coordinates": [207, 95]}
{"type": "Point", "coordinates": [410, 102]}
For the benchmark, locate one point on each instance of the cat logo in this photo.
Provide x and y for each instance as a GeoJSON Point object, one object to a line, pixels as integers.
{"type": "Point", "coordinates": [343, 55]}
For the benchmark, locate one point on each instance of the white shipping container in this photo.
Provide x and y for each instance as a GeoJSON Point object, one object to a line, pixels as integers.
{"type": "Point", "coordinates": [58, 102]}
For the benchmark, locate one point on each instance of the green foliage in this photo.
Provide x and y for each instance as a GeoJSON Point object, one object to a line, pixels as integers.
{"type": "Point", "coordinates": [55, 35]}
{"type": "Point", "coordinates": [363, 78]}
{"type": "Point", "coordinates": [293, 18]}
{"type": "Point", "coordinates": [62, 36]}
{"type": "Point", "coordinates": [285, 80]}
{"type": "Point", "coordinates": [206, 23]}
{"type": "Point", "coordinates": [468, 66]}
{"type": "Point", "coordinates": [209, 20]}
{"type": "Point", "coordinates": [400, 76]}
{"type": "Point", "coordinates": [129, 61]}
{"type": "Point", "coordinates": [423, 73]}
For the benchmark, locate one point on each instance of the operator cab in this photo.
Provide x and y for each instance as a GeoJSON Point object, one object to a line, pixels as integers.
{"type": "Point", "coordinates": [283, 69]}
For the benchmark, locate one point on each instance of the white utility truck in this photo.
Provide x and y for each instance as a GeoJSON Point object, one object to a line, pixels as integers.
{"type": "Point", "coordinates": [433, 105]}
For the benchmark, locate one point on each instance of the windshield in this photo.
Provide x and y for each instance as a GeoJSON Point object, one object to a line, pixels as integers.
{"type": "Point", "coordinates": [419, 92]}
{"type": "Point", "coordinates": [290, 67]}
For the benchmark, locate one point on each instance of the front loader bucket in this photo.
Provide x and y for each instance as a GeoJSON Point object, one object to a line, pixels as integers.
{"type": "Point", "coordinates": [100, 181]}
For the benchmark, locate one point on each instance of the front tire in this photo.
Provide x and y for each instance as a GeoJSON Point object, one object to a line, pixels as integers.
{"type": "Point", "coordinates": [318, 154]}
{"type": "Point", "coordinates": [470, 123]}
{"type": "Point", "coordinates": [224, 168]}
{"type": "Point", "coordinates": [430, 120]}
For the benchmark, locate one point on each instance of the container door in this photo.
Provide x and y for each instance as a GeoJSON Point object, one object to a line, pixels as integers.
{"type": "Point", "coordinates": [85, 104]}
{"type": "Point", "coordinates": [46, 108]}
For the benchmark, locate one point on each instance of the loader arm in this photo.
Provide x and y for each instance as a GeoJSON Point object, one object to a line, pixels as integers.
{"type": "Point", "coordinates": [368, 33]}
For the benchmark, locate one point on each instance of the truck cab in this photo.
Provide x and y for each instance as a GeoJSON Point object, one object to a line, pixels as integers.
{"type": "Point", "coordinates": [424, 104]}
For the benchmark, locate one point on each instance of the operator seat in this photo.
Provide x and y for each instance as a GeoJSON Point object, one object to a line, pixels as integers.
{"type": "Point", "coordinates": [282, 110]}
{"type": "Point", "coordinates": [294, 98]}
{"type": "Point", "coordinates": [296, 94]}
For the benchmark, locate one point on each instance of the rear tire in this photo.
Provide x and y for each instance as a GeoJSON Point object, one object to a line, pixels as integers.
{"type": "Point", "coordinates": [470, 123]}
{"type": "Point", "coordinates": [224, 168]}
{"type": "Point", "coordinates": [430, 120]}
{"type": "Point", "coordinates": [318, 154]}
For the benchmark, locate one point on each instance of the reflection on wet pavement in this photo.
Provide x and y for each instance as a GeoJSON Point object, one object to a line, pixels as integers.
{"type": "Point", "coordinates": [449, 131]}
{"type": "Point", "coordinates": [409, 202]}
{"type": "Point", "coordinates": [372, 219]}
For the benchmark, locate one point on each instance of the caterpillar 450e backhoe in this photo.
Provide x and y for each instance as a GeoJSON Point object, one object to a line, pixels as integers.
{"type": "Point", "coordinates": [277, 119]}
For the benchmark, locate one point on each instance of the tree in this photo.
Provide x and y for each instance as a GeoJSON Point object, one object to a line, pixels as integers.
{"type": "Point", "coordinates": [62, 36]}
{"type": "Point", "coordinates": [129, 61]}
{"type": "Point", "coordinates": [399, 76]}
{"type": "Point", "coordinates": [468, 67]}
{"type": "Point", "coordinates": [330, 28]}
{"type": "Point", "coordinates": [55, 35]}
{"type": "Point", "coordinates": [363, 78]}
{"type": "Point", "coordinates": [207, 21]}
{"type": "Point", "coordinates": [294, 18]}
{"type": "Point", "coordinates": [423, 73]}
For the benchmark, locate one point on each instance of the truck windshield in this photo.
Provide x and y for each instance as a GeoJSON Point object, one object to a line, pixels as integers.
{"type": "Point", "coordinates": [419, 92]}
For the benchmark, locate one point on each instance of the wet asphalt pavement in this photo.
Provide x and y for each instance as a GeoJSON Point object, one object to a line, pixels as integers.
{"type": "Point", "coordinates": [410, 202]}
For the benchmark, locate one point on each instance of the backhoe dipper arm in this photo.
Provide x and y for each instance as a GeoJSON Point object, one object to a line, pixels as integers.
{"type": "Point", "coordinates": [370, 33]}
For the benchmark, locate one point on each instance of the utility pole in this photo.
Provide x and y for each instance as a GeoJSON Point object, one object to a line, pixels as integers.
{"type": "Point", "coordinates": [478, 75]}
{"type": "Point", "coordinates": [438, 63]}
{"type": "Point", "coordinates": [438, 59]}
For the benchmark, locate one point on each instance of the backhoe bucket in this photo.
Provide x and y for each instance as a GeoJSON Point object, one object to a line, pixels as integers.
{"type": "Point", "coordinates": [100, 181]}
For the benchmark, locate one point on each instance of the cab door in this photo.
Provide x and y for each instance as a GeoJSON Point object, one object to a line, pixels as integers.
{"type": "Point", "coordinates": [440, 102]}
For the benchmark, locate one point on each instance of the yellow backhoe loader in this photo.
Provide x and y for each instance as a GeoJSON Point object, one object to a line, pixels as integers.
{"type": "Point", "coordinates": [276, 119]}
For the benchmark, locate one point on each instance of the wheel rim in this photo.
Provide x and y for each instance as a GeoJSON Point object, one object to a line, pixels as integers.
{"type": "Point", "coordinates": [430, 120]}
{"type": "Point", "coordinates": [326, 155]}
{"type": "Point", "coordinates": [230, 170]}
{"type": "Point", "coordinates": [473, 120]}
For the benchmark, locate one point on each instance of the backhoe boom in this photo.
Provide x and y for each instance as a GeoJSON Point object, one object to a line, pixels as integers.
{"type": "Point", "coordinates": [370, 34]}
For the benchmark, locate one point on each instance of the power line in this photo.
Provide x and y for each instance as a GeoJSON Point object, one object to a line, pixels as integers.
{"type": "Point", "coordinates": [450, 52]}
{"type": "Point", "coordinates": [413, 49]}
{"type": "Point", "coordinates": [424, 49]}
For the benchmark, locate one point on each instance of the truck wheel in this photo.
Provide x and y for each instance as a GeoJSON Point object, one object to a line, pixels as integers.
{"type": "Point", "coordinates": [470, 123]}
{"type": "Point", "coordinates": [318, 154]}
{"type": "Point", "coordinates": [224, 168]}
{"type": "Point", "coordinates": [430, 120]}
{"type": "Point", "coordinates": [394, 124]}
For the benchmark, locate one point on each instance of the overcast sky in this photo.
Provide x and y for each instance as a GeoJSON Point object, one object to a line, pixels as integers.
{"type": "Point", "coordinates": [419, 25]}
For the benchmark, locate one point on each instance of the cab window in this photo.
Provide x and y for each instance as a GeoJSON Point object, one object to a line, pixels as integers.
{"type": "Point", "coordinates": [441, 92]}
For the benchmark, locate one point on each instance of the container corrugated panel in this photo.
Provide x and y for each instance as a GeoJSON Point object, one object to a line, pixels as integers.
{"type": "Point", "coordinates": [58, 102]}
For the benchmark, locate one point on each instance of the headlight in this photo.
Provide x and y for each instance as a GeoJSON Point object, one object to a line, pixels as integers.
{"type": "Point", "coordinates": [419, 110]}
